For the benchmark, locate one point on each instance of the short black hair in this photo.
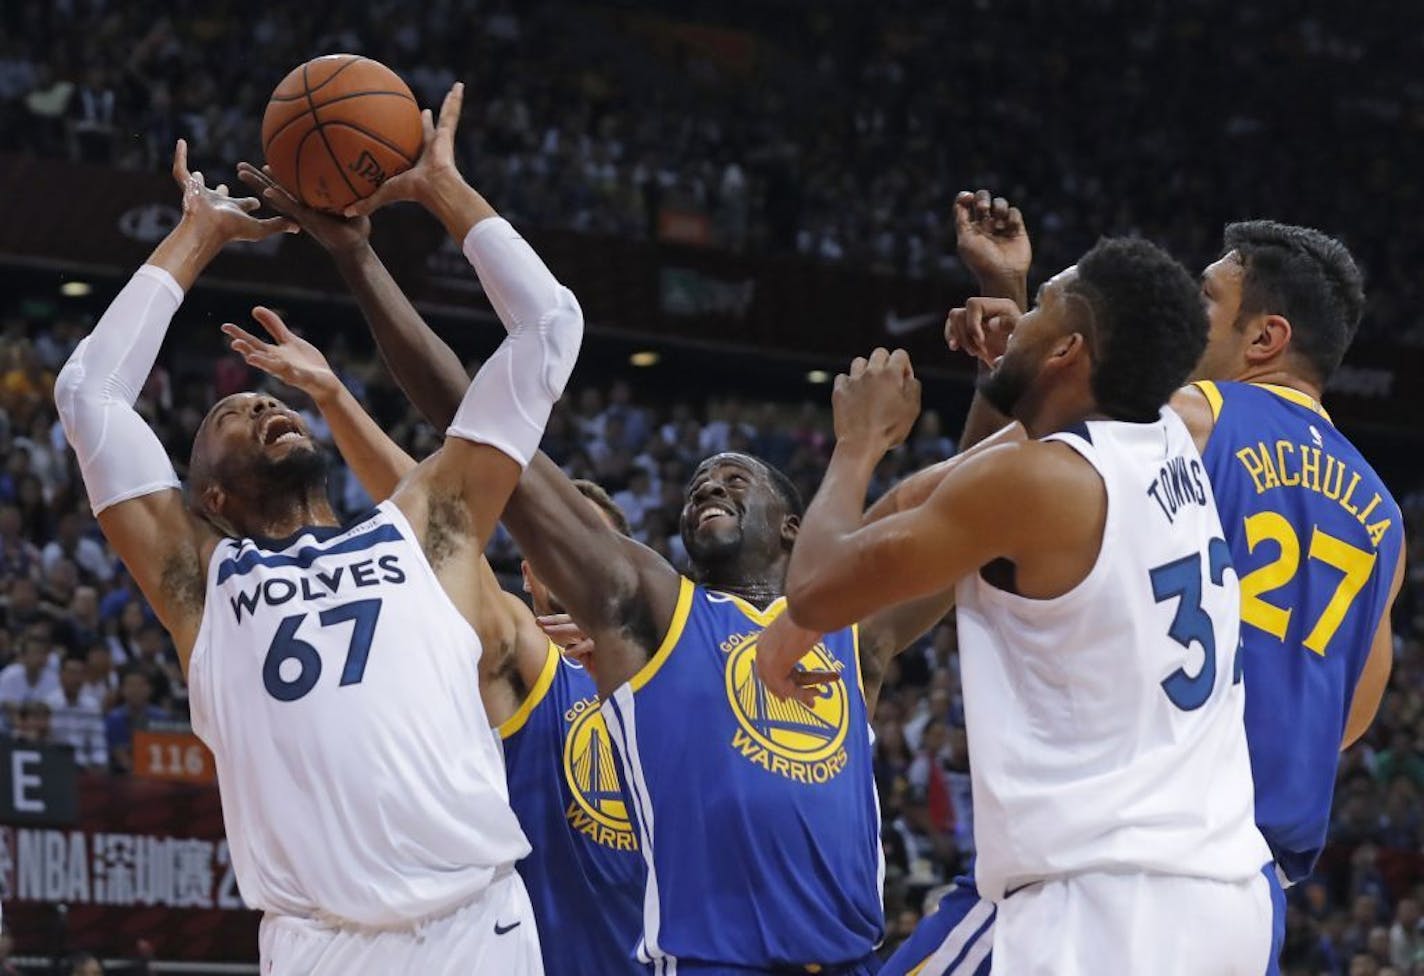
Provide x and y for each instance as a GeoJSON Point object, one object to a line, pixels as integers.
{"type": "Point", "coordinates": [595, 493]}
{"type": "Point", "coordinates": [785, 489]}
{"type": "Point", "coordinates": [1149, 327]}
{"type": "Point", "coordinates": [1306, 276]}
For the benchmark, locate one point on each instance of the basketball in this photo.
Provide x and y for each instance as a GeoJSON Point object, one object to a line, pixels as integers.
{"type": "Point", "coordinates": [339, 126]}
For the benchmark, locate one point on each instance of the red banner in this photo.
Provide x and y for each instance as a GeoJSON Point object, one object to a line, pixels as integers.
{"type": "Point", "coordinates": [146, 860]}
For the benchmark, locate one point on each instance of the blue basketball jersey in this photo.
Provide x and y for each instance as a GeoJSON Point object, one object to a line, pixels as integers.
{"type": "Point", "coordinates": [757, 817]}
{"type": "Point", "coordinates": [1315, 536]}
{"type": "Point", "coordinates": [585, 875]}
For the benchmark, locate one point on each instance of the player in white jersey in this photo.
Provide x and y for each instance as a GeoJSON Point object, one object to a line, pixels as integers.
{"type": "Point", "coordinates": [1099, 622]}
{"type": "Point", "coordinates": [333, 669]}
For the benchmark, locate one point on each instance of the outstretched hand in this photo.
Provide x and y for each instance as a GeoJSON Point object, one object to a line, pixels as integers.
{"type": "Point", "coordinates": [422, 182]}
{"type": "Point", "coordinates": [993, 241]}
{"type": "Point", "coordinates": [982, 327]}
{"type": "Point", "coordinates": [290, 358]}
{"type": "Point", "coordinates": [779, 651]}
{"type": "Point", "coordinates": [219, 216]}
{"type": "Point", "coordinates": [337, 234]}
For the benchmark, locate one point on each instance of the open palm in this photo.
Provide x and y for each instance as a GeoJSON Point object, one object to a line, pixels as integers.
{"type": "Point", "coordinates": [290, 358]}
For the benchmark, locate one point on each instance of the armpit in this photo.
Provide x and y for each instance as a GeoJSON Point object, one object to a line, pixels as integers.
{"type": "Point", "coordinates": [447, 528]}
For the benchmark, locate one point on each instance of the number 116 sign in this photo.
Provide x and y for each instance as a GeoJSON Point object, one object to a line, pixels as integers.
{"type": "Point", "coordinates": [176, 756]}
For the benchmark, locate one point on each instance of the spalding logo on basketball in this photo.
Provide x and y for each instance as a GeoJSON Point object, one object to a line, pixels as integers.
{"type": "Point", "coordinates": [338, 127]}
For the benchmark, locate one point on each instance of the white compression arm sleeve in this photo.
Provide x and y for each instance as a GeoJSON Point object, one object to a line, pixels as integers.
{"type": "Point", "coordinates": [119, 455]}
{"type": "Point", "coordinates": [509, 400]}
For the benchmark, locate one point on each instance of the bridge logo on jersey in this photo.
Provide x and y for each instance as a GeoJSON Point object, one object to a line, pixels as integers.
{"type": "Point", "coordinates": [598, 810]}
{"type": "Point", "coordinates": [803, 744]}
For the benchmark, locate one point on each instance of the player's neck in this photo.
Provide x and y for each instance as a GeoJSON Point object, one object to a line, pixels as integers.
{"type": "Point", "coordinates": [1277, 376]}
{"type": "Point", "coordinates": [312, 509]}
{"type": "Point", "coordinates": [1056, 410]}
{"type": "Point", "coordinates": [757, 588]}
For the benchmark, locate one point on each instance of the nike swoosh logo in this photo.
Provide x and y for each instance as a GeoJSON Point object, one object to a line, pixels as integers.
{"type": "Point", "coordinates": [502, 929]}
{"type": "Point", "coordinates": [897, 326]}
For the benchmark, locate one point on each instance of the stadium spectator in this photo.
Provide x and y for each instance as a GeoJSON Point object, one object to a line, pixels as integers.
{"type": "Point", "coordinates": [32, 723]}
{"type": "Point", "coordinates": [135, 713]}
{"type": "Point", "coordinates": [77, 717]}
{"type": "Point", "coordinates": [35, 676]}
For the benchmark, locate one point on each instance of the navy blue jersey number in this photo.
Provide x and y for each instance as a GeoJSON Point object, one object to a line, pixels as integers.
{"type": "Point", "coordinates": [1182, 580]}
{"type": "Point", "coordinates": [287, 646]}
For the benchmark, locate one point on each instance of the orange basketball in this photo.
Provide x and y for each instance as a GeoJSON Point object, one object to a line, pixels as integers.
{"type": "Point", "coordinates": [338, 127]}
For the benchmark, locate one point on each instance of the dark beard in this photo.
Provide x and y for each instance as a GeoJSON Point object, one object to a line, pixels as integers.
{"type": "Point", "coordinates": [271, 486]}
{"type": "Point", "coordinates": [297, 474]}
{"type": "Point", "coordinates": [1004, 386]}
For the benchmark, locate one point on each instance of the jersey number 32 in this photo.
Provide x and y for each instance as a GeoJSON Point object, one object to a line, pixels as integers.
{"type": "Point", "coordinates": [1182, 580]}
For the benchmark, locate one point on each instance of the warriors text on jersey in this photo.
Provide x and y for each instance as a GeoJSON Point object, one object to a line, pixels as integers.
{"type": "Point", "coordinates": [1105, 725]}
{"type": "Point", "coordinates": [337, 687]}
{"type": "Point", "coordinates": [1316, 537]}
{"type": "Point", "coordinates": [712, 761]}
{"type": "Point", "coordinates": [585, 874]}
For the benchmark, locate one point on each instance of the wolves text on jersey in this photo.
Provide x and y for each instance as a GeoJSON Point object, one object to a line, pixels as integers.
{"type": "Point", "coordinates": [318, 583]}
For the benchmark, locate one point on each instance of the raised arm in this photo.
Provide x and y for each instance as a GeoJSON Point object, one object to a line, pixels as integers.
{"type": "Point", "coordinates": [628, 604]}
{"type": "Point", "coordinates": [994, 245]}
{"type": "Point", "coordinates": [845, 569]}
{"type": "Point", "coordinates": [132, 486]}
{"type": "Point", "coordinates": [378, 461]}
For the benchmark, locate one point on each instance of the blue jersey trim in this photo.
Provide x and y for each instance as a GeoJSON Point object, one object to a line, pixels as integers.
{"type": "Point", "coordinates": [304, 557]}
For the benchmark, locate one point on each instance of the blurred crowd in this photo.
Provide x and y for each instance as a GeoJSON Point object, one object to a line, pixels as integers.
{"type": "Point", "coordinates": [837, 131]}
{"type": "Point", "coordinates": [82, 660]}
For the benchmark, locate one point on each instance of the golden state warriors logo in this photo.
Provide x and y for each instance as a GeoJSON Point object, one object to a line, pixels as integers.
{"type": "Point", "coordinates": [785, 737]}
{"type": "Point", "coordinates": [597, 811]}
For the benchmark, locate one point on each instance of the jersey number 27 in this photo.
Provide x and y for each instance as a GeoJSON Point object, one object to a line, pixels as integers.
{"type": "Point", "coordinates": [1182, 580]}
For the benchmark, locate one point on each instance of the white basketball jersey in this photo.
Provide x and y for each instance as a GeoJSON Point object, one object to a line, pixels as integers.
{"type": "Point", "coordinates": [337, 687]}
{"type": "Point", "coordinates": [1105, 725]}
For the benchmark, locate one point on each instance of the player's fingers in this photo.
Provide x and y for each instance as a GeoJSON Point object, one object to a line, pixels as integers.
{"type": "Point", "coordinates": [221, 190]}
{"type": "Point", "coordinates": [268, 226]}
{"type": "Point", "coordinates": [999, 210]}
{"type": "Point", "coordinates": [982, 202]}
{"type": "Point", "coordinates": [238, 334]}
{"type": "Point", "coordinates": [953, 326]}
{"type": "Point", "coordinates": [973, 335]}
{"type": "Point", "coordinates": [580, 653]}
{"type": "Point", "coordinates": [879, 356]}
{"type": "Point", "coordinates": [180, 162]}
{"type": "Point", "coordinates": [857, 366]}
{"type": "Point", "coordinates": [1016, 221]}
{"type": "Point", "coordinates": [255, 179]}
{"type": "Point", "coordinates": [900, 361]}
{"type": "Point", "coordinates": [384, 194]}
{"type": "Point", "coordinates": [450, 108]}
{"type": "Point", "coordinates": [963, 211]}
{"type": "Point", "coordinates": [273, 323]}
{"type": "Point", "coordinates": [248, 204]}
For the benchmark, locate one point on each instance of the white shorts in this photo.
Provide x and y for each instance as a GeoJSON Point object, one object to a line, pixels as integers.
{"type": "Point", "coordinates": [493, 934]}
{"type": "Point", "coordinates": [1121, 924]}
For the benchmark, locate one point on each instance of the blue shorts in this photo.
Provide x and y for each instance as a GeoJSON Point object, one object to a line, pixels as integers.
{"type": "Point", "coordinates": [953, 941]}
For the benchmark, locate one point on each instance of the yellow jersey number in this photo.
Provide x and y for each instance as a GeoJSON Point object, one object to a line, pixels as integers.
{"type": "Point", "coordinates": [1256, 610]}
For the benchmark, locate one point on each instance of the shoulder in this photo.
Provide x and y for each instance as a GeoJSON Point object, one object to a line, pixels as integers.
{"type": "Point", "coordinates": [1199, 405]}
{"type": "Point", "coordinates": [1030, 470]}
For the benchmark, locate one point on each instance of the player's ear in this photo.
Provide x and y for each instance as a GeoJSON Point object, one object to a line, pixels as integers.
{"type": "Point", "coordinates": [524, 571]}
{"type": "Point", "coordinates": [1269, 336]}
{"type": "Point", "coordinates": [790, 526]}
